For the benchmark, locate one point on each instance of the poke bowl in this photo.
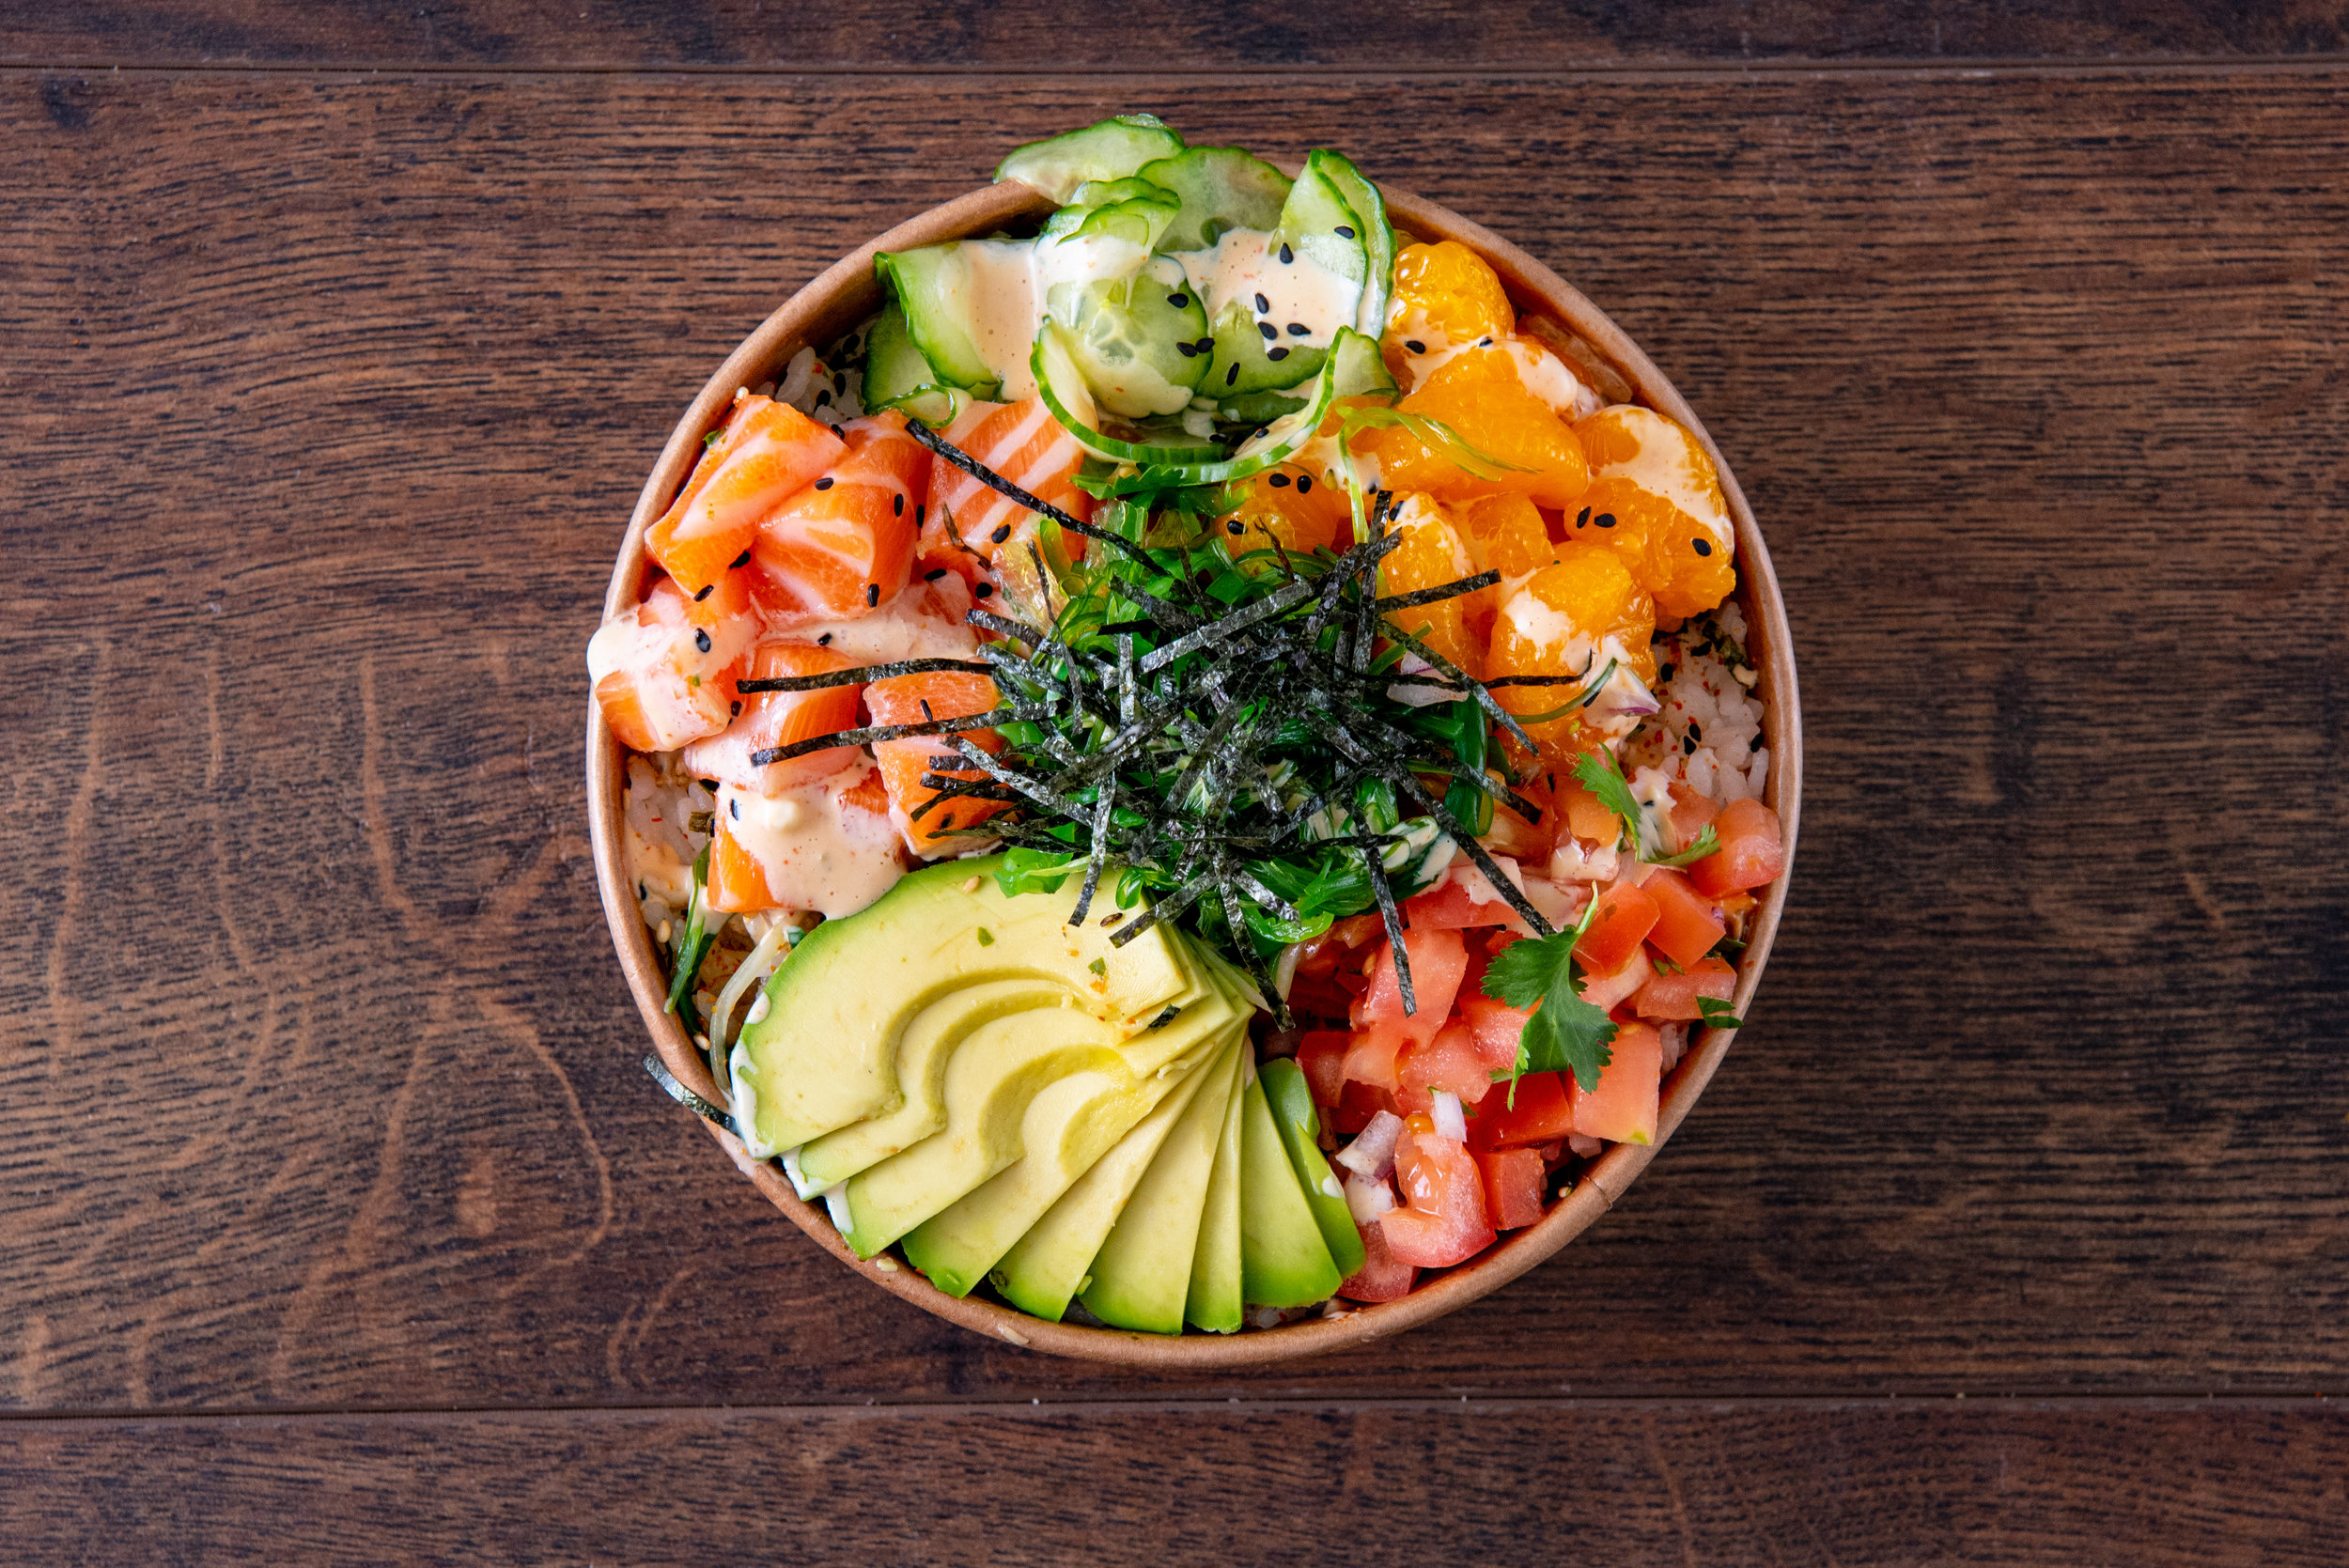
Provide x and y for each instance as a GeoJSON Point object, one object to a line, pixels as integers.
{"type": "Point", "coordinates": [1191, 876]}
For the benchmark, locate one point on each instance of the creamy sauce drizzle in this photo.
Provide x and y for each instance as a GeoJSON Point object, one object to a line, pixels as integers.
{"type": "Point", "coordinates": [1300, 291]}
{"type": "Point", "coordinates": [816, 853]}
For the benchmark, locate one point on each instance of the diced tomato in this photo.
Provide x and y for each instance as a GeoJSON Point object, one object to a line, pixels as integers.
{"type": "Point", "coordinates": [917, 699]}
{"type": "Point", "coordinates": [661, 679]}
{"type": "Point", "coordinates": [768, 451]}
{"type": "Point", "coordinates": [1585, 817]}
{"type": "Point", "coordinates": [1685, 926]}
{"type": "Point", "coordinates": [1625, 914]}
{"type": "Point", "coordinates": [1673, 997]}
{"type": "Point", "coordinates": [1751, 852]}
{"type": "Point", "coordinates": [1357, 1104]}
{"type": "Point", "coordinates": [769, 720]}
{"type": "Point", "coordinates": [1542, 1112]}
{"type": "Point", "coordinates": [1623, 1108]}
{"type": "Point", "coordinates": [1383, 1276]}
{"type": "Point", "coordinates": [1454, 1060]}
{"type": "Point", "coordinates": [1438, 959]}
{"type": "Point", "coordinates": [1498, 1026]}
{"type": "Point", "coordinates": [1442, 1221]}
{"type": "Point", "coordinates": [1450, 907]}
{"type": "Point", "coordinates": [1690, 811]}
{"type": "Point", "coordinates": [1513, 1187]}
{"type": "Point", "coordinates": [1321, 1053]}
{"type": "Point", "coordinates": [1616, 985]}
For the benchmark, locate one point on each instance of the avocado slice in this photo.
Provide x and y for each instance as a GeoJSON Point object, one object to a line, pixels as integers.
{"type": "Point", "coordinates": [1141, 1275]}
{"type": "Point", "coordinates": [1283, 1260]}
{"type": "Point", "coordinates": [1042, 1270]}
{"type": "Point", "coordinates": [1291, 1100]}
{"type": "Point", "coordinates": [1213, 1302]}
{"type": "Point", "coordinates": [929, 1044]}
{"type": "Point", "coordinates": [1067, 1128]}
{"type": "Point", "coordinates": [826, 1053]}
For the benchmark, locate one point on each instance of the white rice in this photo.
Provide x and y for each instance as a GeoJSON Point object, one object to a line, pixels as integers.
{"type": "Point", "coordinates": [1707, 733]}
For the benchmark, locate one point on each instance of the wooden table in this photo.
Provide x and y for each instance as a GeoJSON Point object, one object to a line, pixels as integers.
{"type": "Point", "coordinates": [337, 1219]}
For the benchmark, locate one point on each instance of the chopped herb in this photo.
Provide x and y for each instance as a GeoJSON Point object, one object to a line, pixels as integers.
{"type": "Point", "coordinates": [1706, 843]}
{"type": "Point", "coordinates": [1599, 774]}
{"type": "Point", "coordinates": [1718, 1014]}
{"type": "Point", "coordinates": [986, 938]}
{"type": "Point", "coordinates": [1099, 966]}
{"type": "Point", "coordinates": [1566, 1033]}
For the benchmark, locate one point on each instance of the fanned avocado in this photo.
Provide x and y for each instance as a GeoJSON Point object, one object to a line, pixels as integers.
{"type": "Point", "coordinates": [1213, 1301]}
{"type": "Point", "coordinates": [927, 1044]}
{"type": "Point", "coordinates": [826, 1053]}
{"type": "Point", "coordinates": [1219, 189]}
{"type": "Point", "coordinates": [1067, 1127]}
{"type": "Point", "coordinates": [1291, 1101]}
{"type": "Point", "coordinates": [1141, 1275]}
{"type": "Point", "coordinates": [1111, 149]}
{"type": "Point", "coordinates": [1283, 1260]}
{"type": "Point", "coordinates": [1044, 1269]}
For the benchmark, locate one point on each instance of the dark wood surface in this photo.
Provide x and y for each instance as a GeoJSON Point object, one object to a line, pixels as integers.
{"type": "Point", "coordinates": [323, 398]}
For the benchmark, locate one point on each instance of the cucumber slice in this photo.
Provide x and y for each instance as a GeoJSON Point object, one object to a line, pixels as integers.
{"type": "Point", "coordinates": [1219, 189]}
{"type": "Point", "coordinates": [1108, 150]}
{"type": "Point", "coordinates": [1377, 236]}
{"type": "Point", "coordinates": [931, 286]}
{"type": "Point", "coordinates": [1353, 365]}
{"type": "Point", "coordinates": [897, 377]}
{"type": "Point", "coordinates": [1128, 336]}
{"type": "Point", "coordinates": [1062, 386]}
{"type": "Point", "coordinates": [1244, 357]}
{"type": "Point", "coordinates": [1132, 210]}
{"type": "Point", "coordinates": [1319, 222]}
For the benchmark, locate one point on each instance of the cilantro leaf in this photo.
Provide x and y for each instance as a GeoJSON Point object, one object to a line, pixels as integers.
{"type": "Point", "coordinates": [1718, 1014]}
{"type": "Point", "coordinates": [1566, 1033]}
{"type": "Point", "coordinates": [1601, 777]}
{"type": "Point", "coordinates": [1706, 843]}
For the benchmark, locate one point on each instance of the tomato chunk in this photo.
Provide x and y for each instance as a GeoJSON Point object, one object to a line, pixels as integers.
{"type": "Point", "coordinates": [1623, 1108]}
{"type": "Point", "coordinates": [1450, 907]}
{"type": "Point", "coordinates": [1752, 853]}
{"type": "Point", "coordinates": [1673, 997]}
{"type": "Point", "coordinates": [1585, 816]}
{"type": "Point", "coordinates": [1438, 959]}
{"type": "Point", "coordinates": [1686, 926]}
{"type": "Point", "coordinates": [1541, 1114]}
{"type": "Point", "coordinates": [1624, 916]}
{"type": "Point", "coordinates": [1322, 1056]}
{"type": "Point", "coordinates": [1383, 1277]}
{"type": "Point", "coordinates": [1442, 1221]}
{"type": "Point", "coordinates": [1513, 1187]}
{"type": "Point", "coordinates": [1457, 1060]}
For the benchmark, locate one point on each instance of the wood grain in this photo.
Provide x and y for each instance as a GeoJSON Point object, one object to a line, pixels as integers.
{"type": "Point", "coordinates": [1995, 1482]}
{"type": "Point", "coordinates": [326, 399]}
{"type": "Point", "coordinates": [1224, 37]}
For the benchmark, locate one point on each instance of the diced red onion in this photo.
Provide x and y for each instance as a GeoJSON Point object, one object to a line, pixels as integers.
{"type": "Point", "coordinates": [1451, 1121]}
{"type": "Point", "coordinates": [1371, 1155]}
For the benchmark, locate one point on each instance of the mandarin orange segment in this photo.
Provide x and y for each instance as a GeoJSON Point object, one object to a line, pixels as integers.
{"type": "Point", "coordinates": [1432, 553]}
{"type": "Point", "coordinates": [1479, 395]}
{"type": "Point", "coordinates": [1505, 534]}
{"type": "Point", "coordinates": [1290, 505]}
{"type": "Point", "coordinates": [1570, 619]}
{"type": "Point", "coordinates": [1444, 294]}
{"type": "Point", "coordinates": [1656, 501]}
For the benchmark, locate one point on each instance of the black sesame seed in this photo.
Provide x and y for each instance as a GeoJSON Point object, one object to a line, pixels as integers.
{"type": "Point", "coordinates": [1262, 305]}
{"type": "Point", "coordinates": [825, 640]}
{"type": "Point", "coordinates": [707, 588]}
{"type": "Point", "coordinates": [1694, 733]}
{"type": "Point", "coordinates": [1605, 519]}
{"type": "Point", "coordinates": [1702, 546]}
{"type": "Point", "coordinates": [1287, 255]}
{"type": "Point", "coordinates": [1583, 518]}
{"type": "Point", "coordinates": [736, 709]}
{"type": "Point", "coordinates": [1305, 484]}
{"type": "Point", "coordinates": [640, 890]}
{"type": "Point", "coordinates": [1178, 301]}
{"type": "Point", "coordinates": [1298, 329]}
{"type": "Point", "coordinates": [1754, 745]}
{"type": "Point", "coordinates": [847, 349]}
{"type": "Point", "coordinates": [701, 641]}
{"type": "Point", "coordinates": [1268, 329]}
{"type": "Point", "coordinates": [1002, 531]}
{"type": "Point", "coordinates": [1188, 350]}
{"type": "Point", "coordinates": [871, 595]}
{"type": "Point", "coordinates": [1485, 343]}
{"type": "Point", "coordinates": [897, 506]}
{"type": "Point", "coordinates": [921, 511]}
{"type": "Point", "coordinates": [1415, 345]}
{"type": "Point", "coordinates": [741, 560]}
{"type": "Point", "coordinates": [925, 710]}
{"type": "Point", "coordinates": [933, 574]}
{"type": "Point", "coordinates": [825, 483]}
{"type": "Point", "coordinates": [842, 433]}
{"type": "Point", "coordinates": [1687, 745]}
{"type": "Point", "coordinates": [1275, 353]}
{"type": "Point", "coordinates": [1345, 231]}
{"type": "Point", "coordinates": [735, 807]}
{"type": "Point", "coordinates": [1664, 675]}
{"type": "Point", "coordinates": [1278, 481]}
{"type": "Point", "coordinates": [822, 397]}
{"type": "Point", "coordinates": [1232, 375]}
{"type": "Point", "coordinates": [985, 590]}
{"type": "Point", "coordinates": [1235, 526]}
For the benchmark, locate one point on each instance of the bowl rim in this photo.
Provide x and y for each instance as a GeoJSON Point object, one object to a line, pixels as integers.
{"type": "Point", "coordinates": [844, 294]}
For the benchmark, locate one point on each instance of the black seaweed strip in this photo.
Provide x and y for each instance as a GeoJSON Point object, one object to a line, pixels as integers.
{"type": "Point", "coordinates": [1002, 626]}
{"type": "Point", "coordinates": [1465, 842]}
{"type": "Point", "coordinates": [685, 1097]}
{"type": "Point", "coordinates": [1393, 918]}
{"type": "Point", "coordinates": [1098, 854]}
{"type": "Point", "coordinates": [863, 675]}
{"type": "Point", "coordinates": [1439, 593]}
{"type": "Point", "coordinates": [1475, 688]}
{"type": "Point", "coordinates": [1228, 626]}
